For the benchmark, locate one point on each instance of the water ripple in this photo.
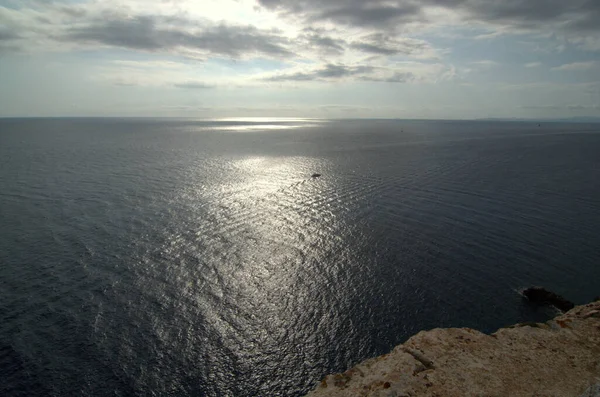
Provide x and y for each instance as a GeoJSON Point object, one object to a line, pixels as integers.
{"type": "Point", "coordinates": [196, 257]}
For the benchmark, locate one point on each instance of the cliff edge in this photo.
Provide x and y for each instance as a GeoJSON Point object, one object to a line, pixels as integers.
{"type": "Point", "coordinates": [558, 358]}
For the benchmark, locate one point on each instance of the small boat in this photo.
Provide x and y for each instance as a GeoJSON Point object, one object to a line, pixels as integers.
{"type": "Point", "coordinates": [315, 175]}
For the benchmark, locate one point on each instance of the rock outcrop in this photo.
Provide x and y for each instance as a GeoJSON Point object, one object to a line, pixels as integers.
{"type": "Point", "coordinates": [558, 358]}
{"type": "Point", "coordinates": [542, 296]}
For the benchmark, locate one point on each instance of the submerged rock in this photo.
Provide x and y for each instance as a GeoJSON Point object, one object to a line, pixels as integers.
{"type": "Point", "coordinates": [542, 296]}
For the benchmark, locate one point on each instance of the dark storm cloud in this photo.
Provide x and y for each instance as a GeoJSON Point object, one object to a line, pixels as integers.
{"type": "Point", "coordinates": [154, 33]}
{"type": "Point", "coordinates": [574, 15]}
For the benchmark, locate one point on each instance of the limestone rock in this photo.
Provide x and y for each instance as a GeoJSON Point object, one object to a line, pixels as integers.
{"type": "Point", "coordinates": [558, 358]}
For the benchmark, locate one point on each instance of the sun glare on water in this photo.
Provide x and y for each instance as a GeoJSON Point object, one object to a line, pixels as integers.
{"type": "Point", "coordinates": [262, 123]}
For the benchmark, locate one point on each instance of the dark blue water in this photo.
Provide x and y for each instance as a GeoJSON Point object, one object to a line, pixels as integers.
{"type": "Point", "coordinates": [181, 257]}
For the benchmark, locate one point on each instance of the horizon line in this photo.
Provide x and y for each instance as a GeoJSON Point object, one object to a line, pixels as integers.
{"type": "Point", "coordinates": [291, 118]}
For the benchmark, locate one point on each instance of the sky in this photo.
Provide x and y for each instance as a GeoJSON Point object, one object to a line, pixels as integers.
{"type": "Point", "coordinates": [438, 59]}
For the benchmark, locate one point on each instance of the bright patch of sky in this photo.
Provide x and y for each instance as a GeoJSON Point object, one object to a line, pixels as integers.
{"type": "Point", "coordinates": [300, 58]}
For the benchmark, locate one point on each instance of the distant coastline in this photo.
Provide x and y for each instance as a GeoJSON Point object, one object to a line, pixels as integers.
{"type": "Point", "coordinates": [589, 119]}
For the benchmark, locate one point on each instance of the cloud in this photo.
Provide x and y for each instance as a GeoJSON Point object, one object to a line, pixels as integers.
{"type": "Point", "coordinates": [489, 35]}
{"type": "Point", "coordinates": [484, 63]}
{"type": "Point", "coordinates": [587, 43]}
{"type": "Point", "coordinates": [126, 83]}
{"type": "Point", "coordinates": [327, 72]}
{"type": "Point", "coordinates": [151, 73]}
{"type": "Point", "coordinates": [49, 25]}
{"type": "Point", "coordinates": [354, 13]}
{"type": "Point", "coordinates": [532, 14]}
{"type": "Point", "coordinates": [381, 44]}
{"type": "Point", "coordinates": [154, 33]}
{"type": "Point", "coordinates": [577, 66]}
{"type": "Point", "coordinates": [322, 42]}
{"type": "Point", "coordinates": [533, 65]}
{"type": "Point", "coordinates": [6, 34]}
{"type": "Point", "coordinates": [395, 77]}
{"type": "Point", "coordinates": [310, 40]}
{"type": "Point", "coordinates": [8, 49]}
{"type": "Point", "coordinates": [339, 72]}
{"type": "Point", "coordinates": [93, 25]}
{"type": "Point", "coordinates": [148, 64]}
{"type": "Point", "coordinates": [194, 85]}
{"type": "Point", "coordinates": [351, 12]}
{"type": "Point", "coordinates": [541, 15]}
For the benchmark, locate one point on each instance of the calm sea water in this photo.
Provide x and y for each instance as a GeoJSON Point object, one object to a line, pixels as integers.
{"type": "Point", "coordinates": [184, 257]}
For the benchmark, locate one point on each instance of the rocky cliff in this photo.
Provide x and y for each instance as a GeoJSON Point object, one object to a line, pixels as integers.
{"type": "Point", "coordinates": [558, 358]}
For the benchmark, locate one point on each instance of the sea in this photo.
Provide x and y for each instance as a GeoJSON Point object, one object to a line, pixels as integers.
{"type": "Point", "coordinates": [197, 257]}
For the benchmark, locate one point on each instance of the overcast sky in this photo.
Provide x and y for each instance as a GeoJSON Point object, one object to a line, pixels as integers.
{"type": "Point", "coordinates": [300, 58]}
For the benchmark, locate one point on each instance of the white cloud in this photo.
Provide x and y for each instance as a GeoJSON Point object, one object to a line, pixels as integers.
{"type": "Point", "coordinates": [430, 51]}
{"type": "Point", "coordinates": [577, 66]}
{"type": "Point", "coordinates": [588, 43]}
{"type": "Point", "coordinates": [184, 29]}
{"type": "Point", "coordinates": [391, 72]}
{"type": "Point", "coordinates": [484, 63]}
{"type": "Point", "coordinates": [149, 64]}
{"type": "Point", "coordinates": [194, 85]}
{"type": "Point", "coordinates": [153, 73]}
